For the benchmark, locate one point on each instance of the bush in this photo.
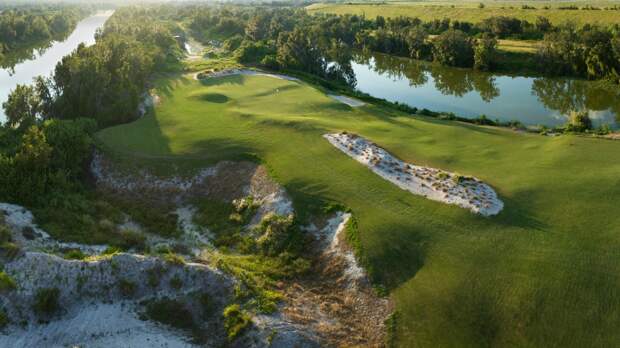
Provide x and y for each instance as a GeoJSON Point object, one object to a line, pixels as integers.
{"type": "Point", "coordinates": [129, 239]}
{"type": "Point", "coordinates": [126, 287]}
{"type": "Point", "coordinates": [275, 232]}
{"type": "Point", "coordinates": [4, 319]}
{"type": "Point", "coordinates": [579, 121]}
{"type": "Point", "coordinates": [174, 259]}
{"type": "Point", "coordinates": [453, 48]}
{"type": "Point", "coordinates": [170, 312]}
{"type": "Point", "coordinates": [74, 254]}
{"type": "Point", "coordinates": [5, 234]}
{"type": "Point", "coordinates": [46, 301]}
{"type": "Point", "coordinates": [235, 320]}
{"type": "Point", "coordinates": [176, 283]}
{"type": "Point", "coordinates": [9, 250]}
{"type": "Point", "coordinates": [6, 282]}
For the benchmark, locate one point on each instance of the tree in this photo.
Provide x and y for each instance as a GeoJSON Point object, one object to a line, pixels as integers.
{"type": "Point", "coordinates": [579, 121]}
{"type": "Point", "coordinates": [39, 29]}
{"type": "Point", "coordinates": [485, 52]}
{"type": "Point", "coordinates": [22, 107]}
{"type": "Point", "coordinates": [543, 24]}
{"type": "Point", "coordinates": [296, 51]}
{"type": "Point", "coordinates": [453, 48]}
{"type": "Point", "coordinates": [416, 40]}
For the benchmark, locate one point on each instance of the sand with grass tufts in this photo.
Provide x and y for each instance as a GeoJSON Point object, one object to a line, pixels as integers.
{"type": "Point", "coordinates": [436, 184]}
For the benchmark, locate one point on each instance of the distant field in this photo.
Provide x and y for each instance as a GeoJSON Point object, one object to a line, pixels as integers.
{"type": "Point", "coordinates": [469, 11]}
{"type": "Point", "coordinates": [543, 273]}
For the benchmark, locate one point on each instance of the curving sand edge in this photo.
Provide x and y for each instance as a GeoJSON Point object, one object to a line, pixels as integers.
{"type": "Point", "coordinates": [436, 184]}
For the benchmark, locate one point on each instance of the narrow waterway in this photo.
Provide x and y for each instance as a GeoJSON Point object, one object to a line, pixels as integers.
{"type": "Point", "coordinates": [44, 62]}
{"type": "Point", "coordinates": [468, 93]}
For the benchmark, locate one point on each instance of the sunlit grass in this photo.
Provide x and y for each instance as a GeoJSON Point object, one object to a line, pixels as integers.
{"type": "Point", "coordinates": [544, 272]}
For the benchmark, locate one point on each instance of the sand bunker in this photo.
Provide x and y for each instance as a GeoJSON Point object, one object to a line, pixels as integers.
{"type": "Point", "coordinates": [231, 72]}
{"type": "Point", "coordinates": [436, 184]}
{"type": "Point", "coordinates": [354, 103]}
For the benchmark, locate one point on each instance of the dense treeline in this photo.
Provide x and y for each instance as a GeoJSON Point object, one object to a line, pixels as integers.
{"type": "Point", "coordinates": [48, 134]}
{"type": "Point", "coordinates": [292, 39]}
{"type": "Point", "coordinates": [24, 26]}
{"type": "Point", "coordinates": [105, 81]}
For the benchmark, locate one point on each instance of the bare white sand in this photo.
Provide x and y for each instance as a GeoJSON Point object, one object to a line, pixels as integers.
{"type": "Point", "coordinates": [97, 325]}
{"type": "Point", "coordinates": [436, 184]}
{"type": "Point", "coordinates": [354, 103]}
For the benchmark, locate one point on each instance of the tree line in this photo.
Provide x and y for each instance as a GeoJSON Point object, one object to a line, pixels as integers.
{"type": "Point", "coordinates": [21, 27]}
{"type": "Point", "coordinates": [289, 38]}
{"type": "Point", "coordinates": [48, 134]}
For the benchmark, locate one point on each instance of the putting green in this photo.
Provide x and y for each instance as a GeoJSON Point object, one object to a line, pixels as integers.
{"type": "Point", "coordinates": [544, 272]}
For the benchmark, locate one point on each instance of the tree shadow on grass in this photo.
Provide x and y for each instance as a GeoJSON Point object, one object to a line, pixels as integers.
{"type": "Point", "coordinates": [516, 212]}
{"type": "Point", "coordinates": [397, 250]}
{"type": "Point", "coordinates": [211, 98]}
{"type": "Point", "coordinates": [224, 80]}
{"type": "Point", "coordinates": [166, 85]}
{"type": "Point", "coordinates": [396, 254]}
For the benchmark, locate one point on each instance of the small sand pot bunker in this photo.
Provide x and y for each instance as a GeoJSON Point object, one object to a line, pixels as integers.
{"type": "Point", "coordinates": [436, 184]}
{"type": "Point", "coordinates": [354, 103]}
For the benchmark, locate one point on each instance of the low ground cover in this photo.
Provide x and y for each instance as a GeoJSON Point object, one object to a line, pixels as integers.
{"type": "Point", "coordinates": [499, 280]}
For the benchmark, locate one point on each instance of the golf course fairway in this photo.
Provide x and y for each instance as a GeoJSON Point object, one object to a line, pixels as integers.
{"type": "Point", "coordinates": [543, 272]}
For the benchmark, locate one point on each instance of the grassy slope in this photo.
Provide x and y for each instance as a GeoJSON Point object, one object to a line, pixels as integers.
{"type": "Point", "coordinates": [468, 11]}
{"type": "Point", "coordinates": [542, 273]}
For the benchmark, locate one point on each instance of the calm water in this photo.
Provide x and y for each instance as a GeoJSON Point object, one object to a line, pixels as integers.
{"type": "Point", "coordinates": [467, 93]}
{"type": "Point", "coordinates": [44, 62]}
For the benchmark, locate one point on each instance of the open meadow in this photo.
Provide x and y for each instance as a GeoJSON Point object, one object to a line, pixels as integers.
{"type": "Point", "coordinates": [544, 272]}
{"type": "Point", "coordinates": [470, 11]}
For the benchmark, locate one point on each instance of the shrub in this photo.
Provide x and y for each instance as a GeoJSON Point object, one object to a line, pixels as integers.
{"type": "Point", "coordinates": [4, 319]}
{"type": "Point", "coordinates": [579, 122]}
{"type": "Point", "coordinates": [275, 234]}
{"type": "Point", "coordinates": [9, 250]}
{"type": "Point", "coordinates": [126, 287]}
{"type": "Point", "coordinates": [176, 282]}
{"type": "Point", "coordinates": [5, 234]}
{"type": "Point", "coordinates": [153, 276]}
{"type": "Point", "coordinates": [453, 48]}
{"type": "Point", "coordinates": [74, 254]}
{"type": "Point", "coordinates": [174, 259]}
{"type": "Point", "coordinates": [170, 312]}
{"type": "Point", "coordinates": [129, 239]}
{"type": "Point", "coordinates": [6, 282]}
{"type": "Point", "coordinates": [235, 320]}
{"type": "Point", "coordinates": [46, 301]}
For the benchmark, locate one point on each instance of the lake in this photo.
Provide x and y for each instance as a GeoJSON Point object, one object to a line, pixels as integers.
{"type": "Point", "coordinates": [44, 61]}
{"type": "Point", "coordinates": [468, 93]}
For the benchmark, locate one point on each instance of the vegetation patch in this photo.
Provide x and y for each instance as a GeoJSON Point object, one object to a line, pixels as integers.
{"type": "Point", "coordinates": [170, 312]}
{"type": "Point", "coordinates": [46, 301]}
{"type": "Point", "coordinates": [6, 282]}
{"type": "Point", "coordinates": [236, 320]}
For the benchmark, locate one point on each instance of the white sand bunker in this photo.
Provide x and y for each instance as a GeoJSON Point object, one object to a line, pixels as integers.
{"type": "Point", "coordinates": [354, 103]}
{"type": "Point", "coordinates": [231, 72]}
{"type": "Point", "coordinates": [436, 184]}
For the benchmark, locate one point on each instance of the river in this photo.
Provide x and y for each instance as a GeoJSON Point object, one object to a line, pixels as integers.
{"type": "Point", "coordinates": [468, 93]}
{"type": "Point", "coordinates": [44, 62]}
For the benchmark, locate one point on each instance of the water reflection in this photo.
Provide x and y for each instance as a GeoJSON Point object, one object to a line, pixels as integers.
{"type": "Point", "coordinates": [469, 93]}
{"type": "Point", "coordinates": [23, 66]}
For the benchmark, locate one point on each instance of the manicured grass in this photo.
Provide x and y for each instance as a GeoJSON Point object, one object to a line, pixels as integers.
{"type": "Point", "coordinates": [469, 11]}
{"type": "Point", "coordinates": [544, 272]}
